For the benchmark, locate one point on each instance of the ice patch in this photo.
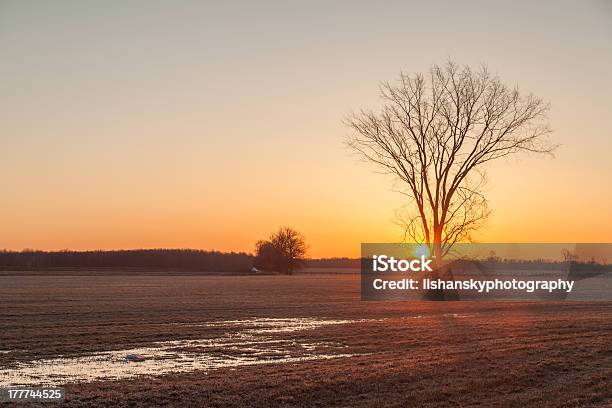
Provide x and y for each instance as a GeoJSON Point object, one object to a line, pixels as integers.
{"type": "Point", "coordinates": [246, 342]}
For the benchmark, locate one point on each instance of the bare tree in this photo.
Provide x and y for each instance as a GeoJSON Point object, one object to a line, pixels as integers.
{"type": "Point", "coordinates": [435, 133]}
{"type": "Point", "coordinates": [282, 252]}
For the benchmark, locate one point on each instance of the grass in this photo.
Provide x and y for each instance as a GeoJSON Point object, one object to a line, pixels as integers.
{"type": "Point", "coordinates": [431, 354]}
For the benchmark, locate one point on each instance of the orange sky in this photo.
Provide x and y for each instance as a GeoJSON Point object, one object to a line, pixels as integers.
{"type": "Point", "coordinates": [207, 126]}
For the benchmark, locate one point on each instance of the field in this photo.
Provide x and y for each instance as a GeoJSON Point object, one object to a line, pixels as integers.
{"type": "Point", "coordinates": [303, 340]}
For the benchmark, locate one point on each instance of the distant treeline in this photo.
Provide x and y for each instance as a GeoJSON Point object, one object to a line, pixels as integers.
{"type": "Point", "coordinates": [215, 261]}
{"type": "Point", "coordinates": [546, 264]}
{"type": "Point", "coordinates": [487, 262]}
{"type": "Point", "coordinates": [183, 259]}
{"type": "Point", "coordinates": [519, 264]}
{"type": "Point", "coordinates": [333, 263]}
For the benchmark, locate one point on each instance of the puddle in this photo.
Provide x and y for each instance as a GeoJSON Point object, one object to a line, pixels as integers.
{"type": "Point", "coordinates": [455, 315]}
{"type": "Point", "coordinates": [270, 325]}
{"type": "Point", "coordinates": [246, 342]}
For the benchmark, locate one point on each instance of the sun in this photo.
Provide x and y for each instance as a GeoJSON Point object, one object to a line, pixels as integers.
{"type": "Point", "coordinates": [422, 250]}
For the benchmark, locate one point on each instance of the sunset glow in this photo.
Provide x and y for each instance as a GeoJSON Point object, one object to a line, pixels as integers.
{"type": "Point", "coordinates": [130, 130]}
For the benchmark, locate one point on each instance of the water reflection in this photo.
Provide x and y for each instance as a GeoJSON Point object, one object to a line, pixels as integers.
{"type": "Point", "coordinates": [246, 342]}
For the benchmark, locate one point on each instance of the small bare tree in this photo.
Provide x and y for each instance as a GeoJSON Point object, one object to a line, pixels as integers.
{"type": "Point", "coordinates": [435, 133]}
{"type": "Point", "coordinates": [283, 252]}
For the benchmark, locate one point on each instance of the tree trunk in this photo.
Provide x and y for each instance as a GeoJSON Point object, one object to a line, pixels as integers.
{"type": "Point", "coordinates": [437, 248]}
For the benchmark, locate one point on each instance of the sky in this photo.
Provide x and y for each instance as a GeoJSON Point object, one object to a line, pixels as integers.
{"type": "Point", "coordinates": [145, 124]}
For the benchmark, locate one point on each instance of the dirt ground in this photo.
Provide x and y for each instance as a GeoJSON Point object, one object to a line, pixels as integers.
{"type": "Point", "coordinates": [431, 354]}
